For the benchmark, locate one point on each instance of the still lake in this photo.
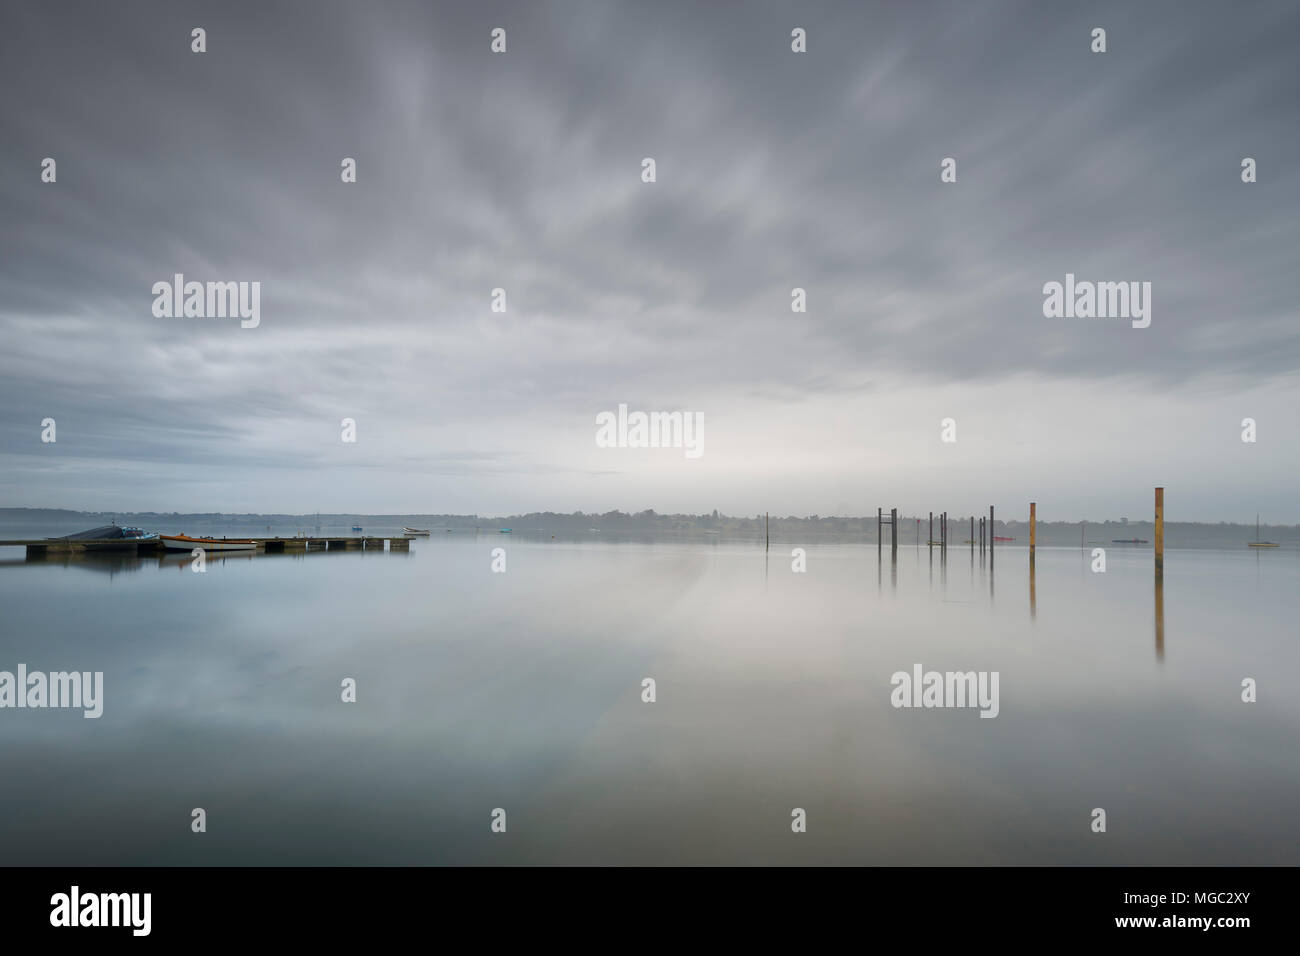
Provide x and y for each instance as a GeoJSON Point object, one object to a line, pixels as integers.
{"type": "Point", "coordinates": [522, 690]}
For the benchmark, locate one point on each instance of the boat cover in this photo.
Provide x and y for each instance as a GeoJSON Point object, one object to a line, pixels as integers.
{"type": "Point", "coordinates": [96, 534]}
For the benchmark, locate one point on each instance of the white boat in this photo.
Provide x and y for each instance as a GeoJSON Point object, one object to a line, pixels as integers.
{"type": "Point", "coordinates": [424, 532]}
{"type": "Point", "coordinates": [182, 542]}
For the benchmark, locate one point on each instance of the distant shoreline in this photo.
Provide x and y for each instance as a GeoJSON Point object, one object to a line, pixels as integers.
{"type": "Point", "coordinates": [912, 529]}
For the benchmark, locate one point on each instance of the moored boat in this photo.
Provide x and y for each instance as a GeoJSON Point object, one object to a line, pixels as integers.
{"type": "Point", "coordinates": [183, 542]}
{"type": "Point", "coordinates": [423, 532]}
{"type": "Point", "coordinates": [1258, 543]}
{"type": "Point", "coordinates": [112, 538]}
{"type": "Point", "coordinates": [1129, 541]}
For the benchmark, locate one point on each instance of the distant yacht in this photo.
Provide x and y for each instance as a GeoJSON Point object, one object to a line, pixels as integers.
{"type": "Point", "coordinates": [1257, 543]}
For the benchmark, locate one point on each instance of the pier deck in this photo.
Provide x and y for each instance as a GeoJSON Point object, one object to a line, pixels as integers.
{"type": "Point", "coordinates": [42, 546]}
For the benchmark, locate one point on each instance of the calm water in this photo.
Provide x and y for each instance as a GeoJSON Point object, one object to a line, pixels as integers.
{"type": "Point", "coordinates": [522, 690]}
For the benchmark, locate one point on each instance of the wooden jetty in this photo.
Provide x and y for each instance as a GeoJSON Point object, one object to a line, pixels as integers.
{"type": "Point", "coordinates": [40, 547]}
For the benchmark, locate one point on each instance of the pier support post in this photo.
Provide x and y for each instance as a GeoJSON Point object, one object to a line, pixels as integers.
{"type": "Point", "coordinates": [893, 531]}
{"type": "Point", "coordinates": [992, 534]}
{"type": "Point", "coordinates": [930, 539]}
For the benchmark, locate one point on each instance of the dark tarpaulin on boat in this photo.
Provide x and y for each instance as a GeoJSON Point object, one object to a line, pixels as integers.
{"type": "Point", "coordinates": [96, 534]}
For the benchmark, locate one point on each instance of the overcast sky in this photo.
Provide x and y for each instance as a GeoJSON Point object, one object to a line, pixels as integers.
{"type": "Point", "coordinates": [775, 169]}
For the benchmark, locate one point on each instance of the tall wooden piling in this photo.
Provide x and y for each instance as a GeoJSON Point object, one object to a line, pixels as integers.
{"type": "Point", "coordinates": [879, 525]}
{"type": "Point", "coordinates": [992, 534]}
{"type": "Point", "coordinates": [893, 531]}
{"type": "Point", "coordinates": [972, 532]}
{"type": "Point", "coordinates": [767, 532]}
{"type": "Point", "coordinates": [1160, 530]}
{"type": "Point", "coordinates": [930, 539]}
{"type": "Point", "coordinates": [1033, 528]}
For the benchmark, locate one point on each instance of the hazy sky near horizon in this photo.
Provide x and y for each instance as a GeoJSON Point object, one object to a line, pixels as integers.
{"type": "Point", "coordinates": [774, 170]}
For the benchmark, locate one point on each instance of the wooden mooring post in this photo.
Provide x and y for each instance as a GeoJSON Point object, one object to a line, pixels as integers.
{"type": "Point", "coordinates": [767, 532]}
{"type": "Point", "coordinates": [1160, 530]}
{"type": "Point", "coordinates": [1033, 528]}
{"type": "Point", "coordinates": [893, 531]}
{"type": "Point", "coordinates": [992, 534]}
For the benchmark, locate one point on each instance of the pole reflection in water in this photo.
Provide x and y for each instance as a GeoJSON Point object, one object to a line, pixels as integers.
{"type": "Point", "coordinates": [1033, 602]}
{"type": "Point", "coordinates": [1160, 614]}
{"type": "Point", "coordinates": [990, 574]}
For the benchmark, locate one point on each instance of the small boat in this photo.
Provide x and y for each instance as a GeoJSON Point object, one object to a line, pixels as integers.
{"type": "Point", "coordinates": [182, 542]}
{"type": "Point", "coordinates": [356, 527]}
{"type": "Point", "coordinates": [504, 531]}
{"type": "Point", "coordinates": [1129, 541]}
{"type": "Point", "coordinates": [997, 538]}
{"type": "Point", "coordinates": [424, 532]}
{"type": "Point", "coordinates": [1257, 543]}
{"type": "Point", "coordinates": [112, 538]}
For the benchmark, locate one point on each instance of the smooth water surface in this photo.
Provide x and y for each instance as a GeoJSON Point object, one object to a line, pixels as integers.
{"type": "Point", "coordinates": [522, 690]}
